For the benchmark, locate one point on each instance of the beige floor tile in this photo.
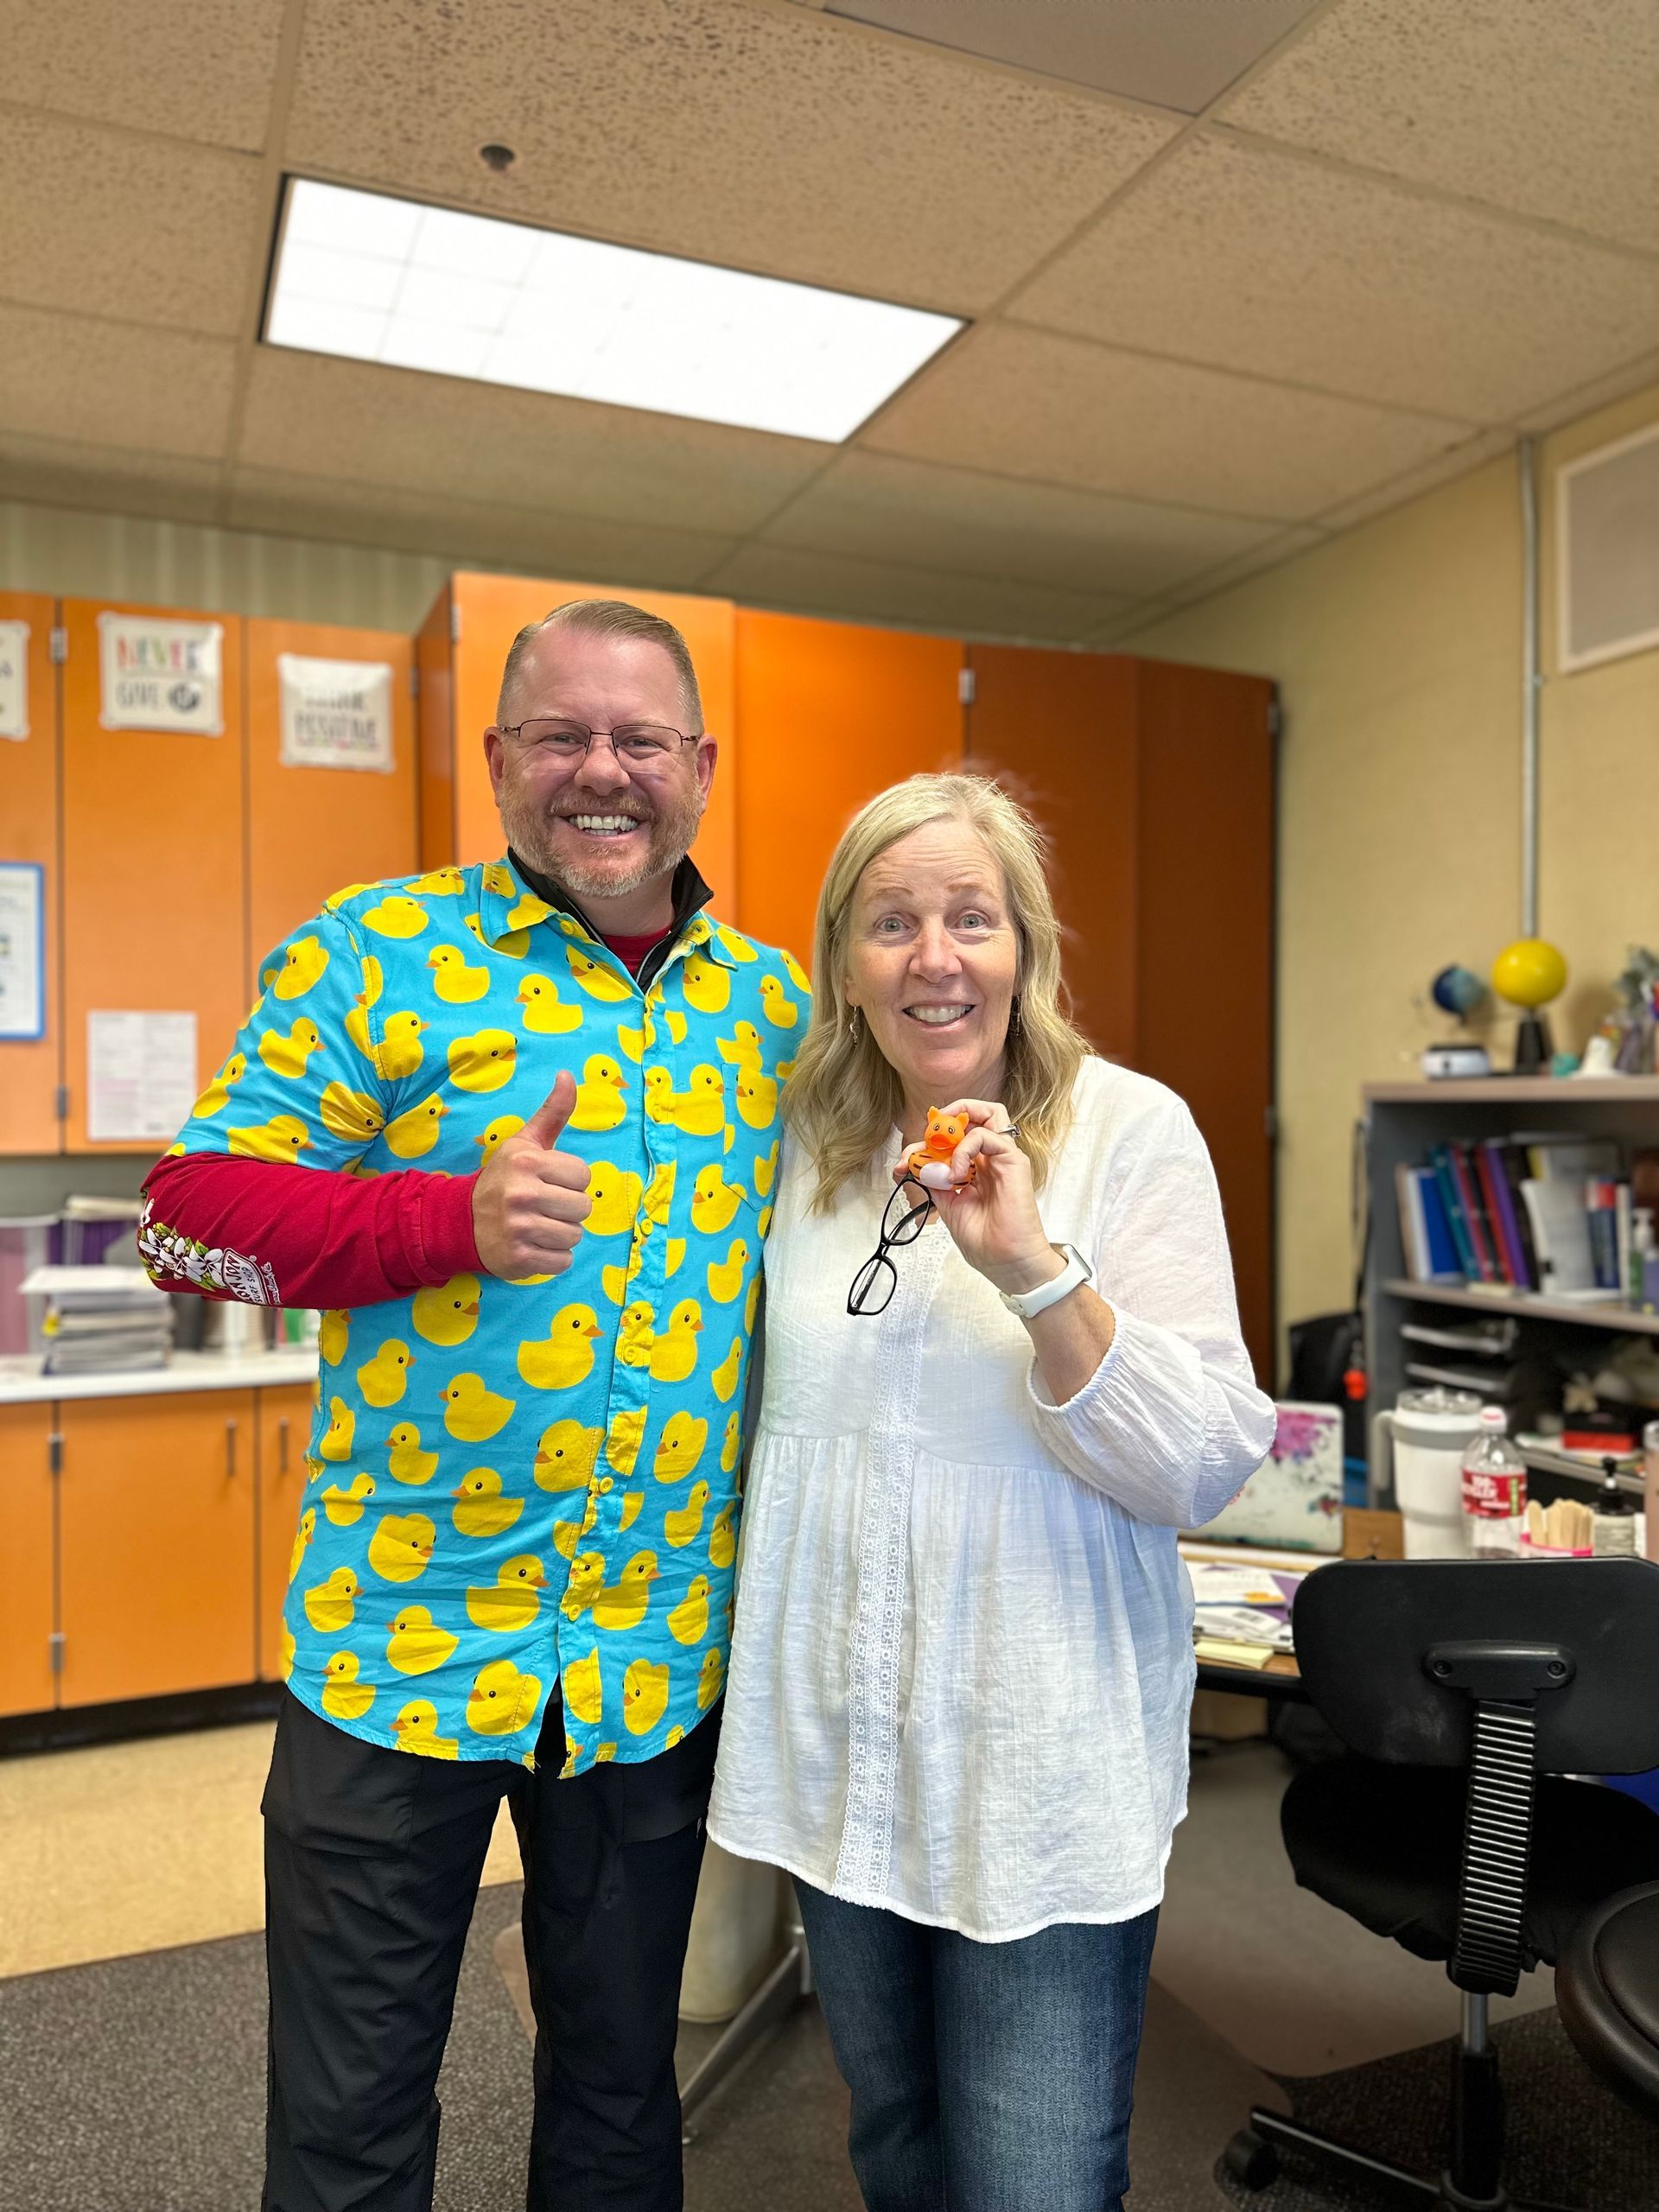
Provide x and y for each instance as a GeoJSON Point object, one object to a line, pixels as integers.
{"type": "Point", "coordinates": [124, 1848]}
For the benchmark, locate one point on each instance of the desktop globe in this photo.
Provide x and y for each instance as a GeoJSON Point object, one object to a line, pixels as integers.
{"type": "Point", "coordinates": [1529, 973]}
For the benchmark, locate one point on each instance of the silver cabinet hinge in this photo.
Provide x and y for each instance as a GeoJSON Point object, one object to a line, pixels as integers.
{"type": "Point", "coordinates": [61, 1099]}
{"type": "Point", "coordinates": [55, 1644]}
{"type": "Point", "coordinates": [1270, 1123]}
{"type": "Point", "coordinates": [54, 1453]}
{"type": "Point", "coordinates": [965, 686]}
{"type": "Point", "coordinates": [59, 643]}
{"type": "Point", "coordinates": [1275, 717]}
{"type": "Point", "coordinates": [455, 621]}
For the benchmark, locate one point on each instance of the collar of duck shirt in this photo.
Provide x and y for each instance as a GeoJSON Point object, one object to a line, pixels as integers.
{"type": "Point", "coordinates": [514, 896]}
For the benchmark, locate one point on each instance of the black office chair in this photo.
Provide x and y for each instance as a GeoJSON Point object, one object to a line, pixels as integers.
{"type": "Point", "coordinates": [1607, 1994]}
{"type": "Point", "coordinates": [1465, 1689]}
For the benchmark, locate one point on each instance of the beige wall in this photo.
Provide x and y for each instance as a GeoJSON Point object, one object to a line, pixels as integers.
{"type": "Point", "coordinates": [80, 554]}
{"type": "Point", "coordinates": [1397, 649]}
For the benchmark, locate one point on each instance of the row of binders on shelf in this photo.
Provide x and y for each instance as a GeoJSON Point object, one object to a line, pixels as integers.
{"type": "Point", "coordinates": [1553, 1215]}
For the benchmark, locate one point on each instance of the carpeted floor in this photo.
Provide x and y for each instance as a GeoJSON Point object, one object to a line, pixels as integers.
{"type": "Point", "coordinates": [1571, 2141]}
{"type": "Point", "coordinates": [137, 2085]}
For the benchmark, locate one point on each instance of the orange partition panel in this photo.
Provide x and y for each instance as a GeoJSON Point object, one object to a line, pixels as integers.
{"type": "Point", "coordinates": [1206, 960]}
{"type": "Point", "coordinates": [27, 1683]}
{"type": "Point", "coordinates": [830, 715]}
{"type": "Point", "coordinates": [156, 1544]}
{"type": "Point", "coordinates": [31, 1069]}
{"type": "Point", "coordinates": [313, 829]}
{"type": "Point", "coordinates": [154, 898]}
{"type": "Point", "coordinates": [284, 1432]}
{"type": "Point", "coordinates": [1060, 729]}
{"type": "Point", "coordinates": [489, 610]}
{"type": "Point", "coordinates": [434, 717]}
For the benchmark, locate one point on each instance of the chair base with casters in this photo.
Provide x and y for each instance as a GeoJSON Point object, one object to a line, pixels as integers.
{"type": "Point", "coordinates": [1453, 1830]}
{"type": "Point", "coordinates": [1607, 1994]}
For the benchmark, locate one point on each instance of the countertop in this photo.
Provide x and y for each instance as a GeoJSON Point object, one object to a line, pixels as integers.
{"type": "Point", "coordinates": [21, 1381]}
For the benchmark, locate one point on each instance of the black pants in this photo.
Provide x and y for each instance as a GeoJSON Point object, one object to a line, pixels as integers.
{"type": "Point", "coordinates": [372, 1860]}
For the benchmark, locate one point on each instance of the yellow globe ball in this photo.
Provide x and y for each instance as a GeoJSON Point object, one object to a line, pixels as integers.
{"type": "Point", "coordinates": [1528, 972]}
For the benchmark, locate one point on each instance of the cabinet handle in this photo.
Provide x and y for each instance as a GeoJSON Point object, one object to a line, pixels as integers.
{"type": "Point", "coordinates": [281, 1446]}
{"type": "Point", "coordinates": [230, 1448]}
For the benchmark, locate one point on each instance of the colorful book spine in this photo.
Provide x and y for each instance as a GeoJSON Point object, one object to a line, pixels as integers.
{"type": "Point", "coordinates": [1500, 1206]}
{"type": "Point", "coordinates": [1513, 1158]}
{"type": "Point", "coordinates": [1440, 1161]}
{"type": "Point", "coordinates": [1479, 1234]}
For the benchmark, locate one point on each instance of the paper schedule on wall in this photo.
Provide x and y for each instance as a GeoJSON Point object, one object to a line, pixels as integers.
{"type": "Point", "coordinates": [336, 714]}
{"type": "Point", "coordinates": [156, 673]}
{"type": "Point", "coordinates": [23, 947]}
{"type": "Point", "coordinates": [141, 1075]}
{"type": "Point", "coordinates": [14, 679]}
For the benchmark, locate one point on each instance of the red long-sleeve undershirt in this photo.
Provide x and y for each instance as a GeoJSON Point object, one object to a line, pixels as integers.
{"type": "Point", "coordinates": [327, 1238]}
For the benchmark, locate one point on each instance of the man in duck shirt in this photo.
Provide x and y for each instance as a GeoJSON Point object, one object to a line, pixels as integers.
{"type": "Point", "coordinates": [515, 1127]}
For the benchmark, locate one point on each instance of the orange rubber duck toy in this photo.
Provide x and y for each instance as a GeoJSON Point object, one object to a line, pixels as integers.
{"type": "Point", "coordinates": [930, 1162]}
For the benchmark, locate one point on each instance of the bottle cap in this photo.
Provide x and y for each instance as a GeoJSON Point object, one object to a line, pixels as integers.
{"type": "Point", "coordinates": [1495, 1417]}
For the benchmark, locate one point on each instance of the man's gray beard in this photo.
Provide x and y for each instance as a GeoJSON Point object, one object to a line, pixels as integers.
{"type": "Point", "coordinates": [670, 835]}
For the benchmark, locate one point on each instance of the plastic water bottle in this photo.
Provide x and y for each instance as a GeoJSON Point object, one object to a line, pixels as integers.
{"type": "Point", "coordinates": [1494, 1489]}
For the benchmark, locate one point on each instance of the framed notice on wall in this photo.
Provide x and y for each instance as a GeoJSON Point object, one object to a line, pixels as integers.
{"type": "Point", "coordinates": [336, 714]}
{"type": "Point", "coordinates": [22, 951]}
{"type": "Point", "coordinates": [157, 673]}
{"type": "Point", "coordinates": [14, 679]}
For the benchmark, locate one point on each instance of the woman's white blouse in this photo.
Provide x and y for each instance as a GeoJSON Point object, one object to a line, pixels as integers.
{"type": "Point", "coordinates": [960, 1680]}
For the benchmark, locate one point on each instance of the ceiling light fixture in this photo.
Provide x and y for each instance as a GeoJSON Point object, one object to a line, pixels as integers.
{"type": "Point", "coordinates": [374, 278]}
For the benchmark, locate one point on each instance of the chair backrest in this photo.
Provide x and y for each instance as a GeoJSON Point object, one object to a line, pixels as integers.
{"type": "Point", "coordinates": [1398, 1654]}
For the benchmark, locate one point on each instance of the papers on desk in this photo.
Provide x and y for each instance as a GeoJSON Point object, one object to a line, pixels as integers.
{"type": "Point", "coordinates": [1241, 1625]}
{"type": "Point", "coordinates": [1253, 1656]}
{"type": "Point", "coordinates": [1214, 1584]}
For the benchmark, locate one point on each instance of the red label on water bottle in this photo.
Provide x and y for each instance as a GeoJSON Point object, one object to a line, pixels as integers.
{"type": "Point", "coordinates": [1491, 1496]}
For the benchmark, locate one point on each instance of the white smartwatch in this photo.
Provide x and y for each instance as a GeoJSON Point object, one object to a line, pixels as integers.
{"type": "Point", "coordinates": [1029, 1302]}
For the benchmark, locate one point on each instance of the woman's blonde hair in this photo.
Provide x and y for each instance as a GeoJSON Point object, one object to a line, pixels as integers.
{"type": "Point", "coordinates": [844, 1095]}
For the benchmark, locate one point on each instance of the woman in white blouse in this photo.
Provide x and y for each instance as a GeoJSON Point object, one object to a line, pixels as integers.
{"type": "Point", "coordinates": [958, 1705]}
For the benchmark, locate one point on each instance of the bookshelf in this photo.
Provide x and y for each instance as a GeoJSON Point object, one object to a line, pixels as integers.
{"type": "Point", "coordinates": [1401, 1120]}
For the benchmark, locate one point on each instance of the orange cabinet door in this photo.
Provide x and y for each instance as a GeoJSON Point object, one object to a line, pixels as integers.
{"type": "Point", "coordinates": [1064, 725]}
{"type": "Point", "coordinates": [284, 1426]}
{"type": "Point", "coordinates": [486, 612]}
{"type": "Point", "coordinates": [156, 1564]}
{"type": "Point", "coordinates": [154, 898]}
{"type": "Point", "coordinates": [313, 829]}
{"type": "Point", "coordinates": [829, 713]}
{"type": "Point", "coordinates": [27, 1681]}
{"type": "Point", "coordinates": [30, 1069]}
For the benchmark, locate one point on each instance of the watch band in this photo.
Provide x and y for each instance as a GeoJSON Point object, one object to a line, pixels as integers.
{"type": "Point", "coordinates": [1028, 1303]}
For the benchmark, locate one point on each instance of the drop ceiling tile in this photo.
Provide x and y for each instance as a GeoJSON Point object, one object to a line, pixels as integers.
{"type": "Point", "coordinates": [1545, 106]}
{"type": "Point", "coordinates": [1178, 58]}
{"type": "Point", "coordinates": [196, 69]}
{"type": "Point", "coordinates": [307, 416]}
{"type": "Point", "coordinates": [1254, 259]}
{"type": "Point", "coordinates": [95, 383]}
{"type": "Point", "coordinates": [876, 591]}
{"type": "Point", "coordinates": [1280, 547]}
{"type": "Point", "coordinates": [1568, 406]}
{"type": "Point", "coordinates": [525, 538]}
{"type": "Point", "coordinates": [1457, 461]}
{"type": "Point", "coordinates": [127, 227]}
{"type": "Point", "coordinates": [879, 508]}
{"type": "Point", "coordinates": [783, 143]}
{"type": "Point", "coordinates": [1027, 403]}
{"type": "Point", "coordinates": [57, 473]}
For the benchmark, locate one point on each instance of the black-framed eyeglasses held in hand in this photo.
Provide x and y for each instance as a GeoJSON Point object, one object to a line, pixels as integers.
{"type": "Point", "coordinates": [876, 1280]}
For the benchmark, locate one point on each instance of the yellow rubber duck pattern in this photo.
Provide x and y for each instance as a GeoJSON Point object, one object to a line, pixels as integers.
{"type": "Point", "coordinates": [523, 1486]}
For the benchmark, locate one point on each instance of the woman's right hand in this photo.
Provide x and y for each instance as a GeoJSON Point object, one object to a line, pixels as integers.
{"type": "Point", "coordinates": [530, 1199]}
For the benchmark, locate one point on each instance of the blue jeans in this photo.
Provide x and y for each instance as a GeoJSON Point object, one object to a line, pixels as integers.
{"type": "Point", "coordinates": [986, 2078]}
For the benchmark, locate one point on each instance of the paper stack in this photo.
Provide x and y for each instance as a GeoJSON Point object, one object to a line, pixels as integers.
{"type": "Point", "coordinates": [100, 1320]}
{"type": "Point", "coordinates": [1238, 1613]}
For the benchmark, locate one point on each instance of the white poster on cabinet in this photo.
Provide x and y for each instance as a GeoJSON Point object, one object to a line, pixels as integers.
{"type": "Point", "coordinates": [14, 679]}
{"type": "Point", "coordinates": [141, 1075]}
{"type": "Point", "coordinates": [157, 673]}
{"type": "Point", "coordinates": [336, 714]}
{"type": "Point", "coordinates": [23, 947]}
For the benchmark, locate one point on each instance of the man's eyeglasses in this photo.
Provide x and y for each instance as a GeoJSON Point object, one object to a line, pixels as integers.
{"type": "Point", "coordinates": [637, 745]}
{"type": "Point", "coordinates": [902, 1223]}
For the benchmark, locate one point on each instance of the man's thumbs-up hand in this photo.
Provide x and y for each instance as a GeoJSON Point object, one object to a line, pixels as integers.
{"type": "Point", "coordinates": [531, 1200]}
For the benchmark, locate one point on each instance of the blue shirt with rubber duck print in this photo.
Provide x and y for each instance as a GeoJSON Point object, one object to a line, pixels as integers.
{"type": "Point", "coordinates": [519, 1484]}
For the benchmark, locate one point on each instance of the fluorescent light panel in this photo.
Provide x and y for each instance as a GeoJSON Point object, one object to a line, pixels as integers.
{"type": "Point", "coordinates": [372, 278]}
